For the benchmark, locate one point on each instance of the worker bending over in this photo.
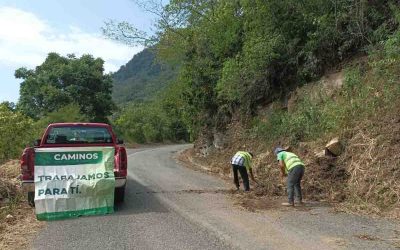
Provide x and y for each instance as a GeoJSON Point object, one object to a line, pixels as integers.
{"type": "Point", "coordinates": [292, 167]}
{"type": "Point", "coordinates": [241, 162]}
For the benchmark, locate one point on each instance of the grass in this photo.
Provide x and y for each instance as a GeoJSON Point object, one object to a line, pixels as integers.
{"type": "Point", "coordinates": [10, 207]}
{"type": "Point", "coordinates": [313, 118]}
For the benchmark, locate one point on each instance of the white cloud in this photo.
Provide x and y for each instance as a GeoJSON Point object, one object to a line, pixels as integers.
{"type": "Point", "coordinates": [25, 40]}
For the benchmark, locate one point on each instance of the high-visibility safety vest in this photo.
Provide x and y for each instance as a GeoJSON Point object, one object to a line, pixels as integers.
{"type": "Point", "coordinates": [291, 160]}
{"type": "Point", "coordinates": [244, 157]}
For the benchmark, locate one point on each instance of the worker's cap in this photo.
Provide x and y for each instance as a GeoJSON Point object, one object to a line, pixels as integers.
{"type": "Point", "coordinates": [278, 149]}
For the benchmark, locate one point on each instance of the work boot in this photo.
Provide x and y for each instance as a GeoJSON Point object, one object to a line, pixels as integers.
{"type": "Point", "coordinates": [288, 204]}
{"type": "Point", "coordinates": [300, 203]}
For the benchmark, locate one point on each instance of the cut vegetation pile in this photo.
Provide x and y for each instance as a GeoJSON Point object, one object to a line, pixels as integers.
{"type": "Point", "coordinates": [372, 158]}
{"type": "Point", "coordinates": [18, 223]}
{"type": "Point", "coordinates": [10, 192]}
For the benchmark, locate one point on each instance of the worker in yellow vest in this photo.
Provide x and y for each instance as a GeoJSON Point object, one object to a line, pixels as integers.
{"type": "Point", "coordinates": [292, 167]}
{"type": "Point", "coordinates": [241, 162]}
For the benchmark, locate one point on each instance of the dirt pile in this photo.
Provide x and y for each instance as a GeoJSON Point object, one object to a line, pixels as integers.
{"type": "Point", "coordinates": [324, 180]}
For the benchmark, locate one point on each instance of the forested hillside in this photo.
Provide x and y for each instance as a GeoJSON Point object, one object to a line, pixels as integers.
{"type": "Point", "coordinates": [141, 78]}
{"type": "Point", "coordinates": [238, 56]}
{"type": "Point", "coordinates": [245, 83]}
{"type": "Point", "coordinates": [146, 114]}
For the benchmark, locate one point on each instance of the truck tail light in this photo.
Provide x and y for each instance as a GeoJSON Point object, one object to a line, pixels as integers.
{"type": "Point", "coordinates": [27, 164]}
{"type": "Point", "coordinates": [123, 159]}
{"type": "Point", "coordinates": [122, 162]}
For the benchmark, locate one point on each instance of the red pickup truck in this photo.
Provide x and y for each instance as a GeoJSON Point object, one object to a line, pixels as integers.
{"type": "Point", "coordinates": [76, 135]}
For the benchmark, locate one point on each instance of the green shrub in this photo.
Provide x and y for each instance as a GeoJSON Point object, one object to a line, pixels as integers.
{"type": "Point", "coordinates": [307, 122]}
{"type": "Point", "coordinates": [150, 122]}
{"type": "Point", "coordinates": [68, 113]}
{"type": "Point", "coordinates": [16, 132]}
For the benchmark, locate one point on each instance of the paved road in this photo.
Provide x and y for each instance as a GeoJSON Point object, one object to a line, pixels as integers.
{"type": "Point", "coordinates": [171, 207]}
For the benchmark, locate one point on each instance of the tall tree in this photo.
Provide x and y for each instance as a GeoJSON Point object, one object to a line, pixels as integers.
{"type": "Point", "coordinates": [61, 81]}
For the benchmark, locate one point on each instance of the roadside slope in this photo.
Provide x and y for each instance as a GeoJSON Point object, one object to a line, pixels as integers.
{"type": "Point", "coordinates": [359, 105]}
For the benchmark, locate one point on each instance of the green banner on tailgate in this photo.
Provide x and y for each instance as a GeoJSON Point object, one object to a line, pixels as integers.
{"type": "Point", "coordinates": [68, 158]}
{"type": "Point", "coordinates": [71, 182]}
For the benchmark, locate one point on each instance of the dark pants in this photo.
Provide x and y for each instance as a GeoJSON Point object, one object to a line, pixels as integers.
{"type": "Point", "coordinates": [294, 183]}
{"type": "Point", "coordinates": [243, 174]}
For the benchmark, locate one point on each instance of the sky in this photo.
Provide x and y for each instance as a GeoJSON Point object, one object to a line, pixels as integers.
{"type": "Point", "coordinates": [30, 29]}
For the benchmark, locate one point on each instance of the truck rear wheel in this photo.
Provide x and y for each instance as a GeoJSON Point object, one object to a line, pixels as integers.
{"type": "Point", "coordinates": [31, 199]}
{"type": "Point", "coordinates": [119, 195]}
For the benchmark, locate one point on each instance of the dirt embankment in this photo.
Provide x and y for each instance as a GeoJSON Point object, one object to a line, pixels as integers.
{"type": "Point", "coordinates": [18, 223]}
{"type": "Point", "coordinates": [363, 179]}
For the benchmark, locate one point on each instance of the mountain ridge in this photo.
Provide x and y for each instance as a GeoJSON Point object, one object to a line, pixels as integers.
{"type": "Point", "coordinates": [141, 78]}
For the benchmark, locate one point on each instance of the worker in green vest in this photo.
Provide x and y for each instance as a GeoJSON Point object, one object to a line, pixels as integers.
{"type": "Point", "coordinates": [241, 162]}
{"type": "Point", "coordinates": [292, 167]}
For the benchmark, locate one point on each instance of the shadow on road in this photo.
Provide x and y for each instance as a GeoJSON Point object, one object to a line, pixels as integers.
{"type": "Point", "coordinates": [139, 199]}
